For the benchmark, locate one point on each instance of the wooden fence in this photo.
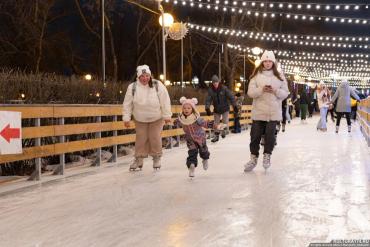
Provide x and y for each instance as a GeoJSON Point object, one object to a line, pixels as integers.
{"type": "Point", "coordinates": [53, 121]}
{"type": "Point", "coordinates": [363, 114]}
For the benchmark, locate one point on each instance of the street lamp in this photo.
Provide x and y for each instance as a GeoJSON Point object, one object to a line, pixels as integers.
{"type": "Point", "coordinates": [88, 77]}
{"type": "Point", "coordinates": [165, 20]}
{"type": "Point", "coordinates": [168, 20]}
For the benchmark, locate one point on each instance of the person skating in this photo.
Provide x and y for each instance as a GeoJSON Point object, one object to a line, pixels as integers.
{"type": "Point", "coordinates": [268, 88]}
{"type": "Point", "coordinates": [343, 107]}
{"type": "Point", "coordinates": [323, 98]}
{"type": "Point", "coordinates": [303, 105]}
{"type": "Point", "coordinates": [221, 98]}
{"type": "Point", "coordinates": [239, 103]}
{"type": "Point", "coordinates": [195, 136]}
{"type": "Point", "coordinates": [147, 100]}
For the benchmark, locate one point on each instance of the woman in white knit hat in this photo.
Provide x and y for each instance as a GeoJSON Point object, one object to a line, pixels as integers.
{"type": "Point", "coordinates": [268, 88]}
{"type": "Point", "coordinates": [147, 100]}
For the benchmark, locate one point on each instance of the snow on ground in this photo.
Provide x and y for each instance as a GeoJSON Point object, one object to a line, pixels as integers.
{"type": "Point", "coordinates": [317, 189]}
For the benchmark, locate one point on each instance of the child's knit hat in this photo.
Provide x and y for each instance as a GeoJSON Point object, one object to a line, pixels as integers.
{"type": "Point", "coordinates": [191, 102]}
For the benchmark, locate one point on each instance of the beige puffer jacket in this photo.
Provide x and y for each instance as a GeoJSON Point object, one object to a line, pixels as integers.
{"type": "Point", "coordinates": [267, 106]}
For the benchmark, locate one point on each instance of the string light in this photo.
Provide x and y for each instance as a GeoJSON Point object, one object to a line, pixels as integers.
{"type": "Point", "coordinates": [294, 5]}
{"type": "Point", "coordinates": [307, 40]}
{"type": "Point", "coordinates": [246, 9]}
{"type": "Point", "coordinates": [353, 70]}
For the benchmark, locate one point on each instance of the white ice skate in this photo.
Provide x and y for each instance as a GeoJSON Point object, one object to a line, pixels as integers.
{"type": "Point", "coordinates": [266, 161]}
{"type": "Point", "coordinates": [251, 164]}
{"type": "Point", "coordinates": [191, 170]}
{"type": "Point", "coordinates": [137, 164]}
{"type": "Point", "coordinates": [205, 164]}
{"type": "Point", "coordinates": [157, 162]}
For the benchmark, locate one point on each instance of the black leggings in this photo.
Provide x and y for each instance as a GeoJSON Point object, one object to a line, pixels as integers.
{"type": "Point", "coordinates": [348, 117]}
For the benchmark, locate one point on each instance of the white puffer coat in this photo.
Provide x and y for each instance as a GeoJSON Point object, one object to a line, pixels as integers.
{"type": "Point", "coordinates": [267, 106]}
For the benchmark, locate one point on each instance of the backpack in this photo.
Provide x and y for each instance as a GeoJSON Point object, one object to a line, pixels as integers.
{"type": "Point", "coordinates": [155, 83]}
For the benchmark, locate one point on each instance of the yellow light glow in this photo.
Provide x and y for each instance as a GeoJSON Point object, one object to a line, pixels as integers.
{"type": "Point", "coordinates": [168, 20]}
{"type": "Point", "coordinates": [88, 77]}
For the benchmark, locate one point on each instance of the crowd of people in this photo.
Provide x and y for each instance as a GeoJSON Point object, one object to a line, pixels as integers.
{"type": "Point", "coordinates": [147, 102]}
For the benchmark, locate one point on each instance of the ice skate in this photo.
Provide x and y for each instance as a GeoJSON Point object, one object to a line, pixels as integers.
{"type": "Point", "coordinates": [191, 170]}
{"type": "Point", "coordinates": [336, 129]}
{"type": "Point", "coordinates": [137, 164]}
{"type": "Point", "coordinates": [349, 129]}
{"type": "Point", "coordinates": [251, 164]}
{"type": "Point", "coordinates": [157, 162]}
{"type": "Point", "coordinates": [205, 165]}
{"type": "Point", "coordinates": [215, 138]}
{"type": "Point", "coordinates": [266, 161]}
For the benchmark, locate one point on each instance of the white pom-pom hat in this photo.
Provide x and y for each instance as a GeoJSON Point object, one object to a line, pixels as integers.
{"type": "Point", "coordinates": [191, 102]}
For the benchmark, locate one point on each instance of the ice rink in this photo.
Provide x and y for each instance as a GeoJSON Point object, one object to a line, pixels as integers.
{"type": "Point", "coordinates": [317, 189]}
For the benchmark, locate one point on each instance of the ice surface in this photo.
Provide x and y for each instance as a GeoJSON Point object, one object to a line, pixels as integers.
{"type": "Point", "coordinates": [317, 189]}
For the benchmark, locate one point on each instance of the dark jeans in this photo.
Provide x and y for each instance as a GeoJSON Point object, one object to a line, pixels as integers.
{"type": "Point", "coordinates": [258, 129]}
{"type": "Point", "coordinates": [237, 126]}
{"type": "Point", "coordinates": [193, 153]}
{"type": "Point", "coordinates": [340, 115]}
{"type": "Point", "coordinates": [284, 115]}
{"type": "Point", "coordinates": [303, 108]}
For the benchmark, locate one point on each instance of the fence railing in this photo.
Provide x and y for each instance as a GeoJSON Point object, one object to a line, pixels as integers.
{"type": "Point", "coordinates": [363, 114]}
{"type": "Point", "coordinates": [100, 126]}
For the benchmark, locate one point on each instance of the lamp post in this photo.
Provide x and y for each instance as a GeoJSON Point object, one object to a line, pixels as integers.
{"type": "Point", "coordinates": [244, 73]}
{"type": "Point", "coordinates": [103, 39]}
{"type": "Point", "coordinates": [165, 20]}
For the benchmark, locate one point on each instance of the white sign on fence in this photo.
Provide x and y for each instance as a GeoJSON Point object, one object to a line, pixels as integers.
{"type": "Point", "coordinates": [10, 132]}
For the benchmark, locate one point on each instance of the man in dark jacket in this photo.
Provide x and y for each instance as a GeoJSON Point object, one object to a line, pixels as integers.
{"type": "Point", "coordinates": [221, 97]}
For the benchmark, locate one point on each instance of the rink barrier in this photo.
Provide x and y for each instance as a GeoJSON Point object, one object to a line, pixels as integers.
{"type": "Point", "coordinates": [48, 121]}
{"type": "Point", "coordinates": [363, 116]}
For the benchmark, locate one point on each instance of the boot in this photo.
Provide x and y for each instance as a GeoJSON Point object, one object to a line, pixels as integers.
{"type": "Point", "coordinates": [191, 170]}
{"type": "Point", "coordinates": [349, 128]}
{"type": "Point", "coordinates": [251, 164]}
{"type": "Point", "coordinates": [266, 161]}
{"type": "Point", "coordinates": [156, 162]}
{"type": "Point", "coordinates": [223, 134]}
{"type": "Point", "coordinates": [215, 138]}
{"type": "Point", "coordinates": [336, 129]}
{"type": "Point", "coordinates": [205, 164]}
{"type": "Point", "coordinates": [137, 163]}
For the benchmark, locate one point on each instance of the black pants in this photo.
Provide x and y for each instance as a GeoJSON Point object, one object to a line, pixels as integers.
{"type": "Point", "coordinates": [237, 127]}
{"type": "Point", "coordinates": [284, 115]}
{"type": "Point", "coordinates": [340, 115]}
{"type": "Point", "coordinates": [193, 153]}
{"type": "Point", "coordinates": [258, 129]}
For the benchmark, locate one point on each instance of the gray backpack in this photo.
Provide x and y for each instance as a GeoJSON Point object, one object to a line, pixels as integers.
{"type": "Point", "coordinates": [155, 83]}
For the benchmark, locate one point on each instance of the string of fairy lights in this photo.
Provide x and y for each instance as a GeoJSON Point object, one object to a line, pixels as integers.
{"type": "Point", "coordinates": [355, 60]}
{"type": "Point", "coordinates": [313, 65]}
{"type": "Point", "coordinates": [318, 41]}
{"type": "Point", "coordinates": [328, 72]}
{"type": "Point", "coordinates": [341, 7]}
{"type": "Point", "coordinates": [214, 6]}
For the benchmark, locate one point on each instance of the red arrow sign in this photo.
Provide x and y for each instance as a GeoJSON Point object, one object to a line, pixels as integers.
{"type": "Point", "coordinates": [9, 133]}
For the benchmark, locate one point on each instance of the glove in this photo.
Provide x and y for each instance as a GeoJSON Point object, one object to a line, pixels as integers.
{"type": "Point", "coordinates": [209, 113]}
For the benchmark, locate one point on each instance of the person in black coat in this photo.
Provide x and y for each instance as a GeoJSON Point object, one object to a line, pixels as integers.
{"type": "Point", "coordinates": [221, 98]}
